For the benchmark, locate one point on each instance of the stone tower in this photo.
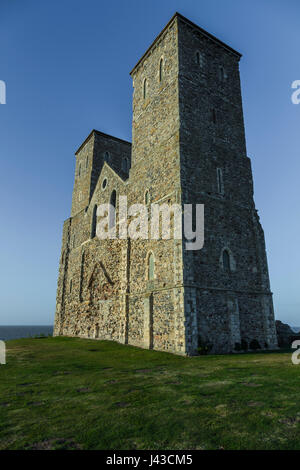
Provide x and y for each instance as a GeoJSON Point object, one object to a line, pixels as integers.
{"type": "Point", "coordinates": [188, 147]}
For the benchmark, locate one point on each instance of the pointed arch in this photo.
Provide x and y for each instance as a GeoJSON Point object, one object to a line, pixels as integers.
{"type": "Point", "coordinates": [227, 260]}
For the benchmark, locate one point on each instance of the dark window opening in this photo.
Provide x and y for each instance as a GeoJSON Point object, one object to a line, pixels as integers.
{"type": "Point", "coordinates": [94, 222]}
{"type": "Point", "coordinates": [226, 261]}
{"type": "Point", "coordinates": [112, 209]}
{"type": "Point", "coordinates": [125, 165]}
{"type": "Point", "coordinates": [214, 116]}
{"type": "Point", "coordinates": [161, 64]}
{"type": "Point", "coordinates": [220, 180]}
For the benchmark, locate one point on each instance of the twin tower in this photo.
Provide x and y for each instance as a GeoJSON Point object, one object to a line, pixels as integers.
{"type": "Point", "coordinates": [188, 147]}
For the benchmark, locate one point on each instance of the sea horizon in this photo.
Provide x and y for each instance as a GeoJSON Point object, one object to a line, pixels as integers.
{"type": "Point", "coordinates": [8, 332]}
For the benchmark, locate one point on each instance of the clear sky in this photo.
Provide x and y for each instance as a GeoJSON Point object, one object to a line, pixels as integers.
{"type": "Point", "coordinates": [66, 66]}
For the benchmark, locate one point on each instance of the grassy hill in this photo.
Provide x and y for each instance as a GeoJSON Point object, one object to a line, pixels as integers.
{"type": "Point", "coordinates": [68, 393]}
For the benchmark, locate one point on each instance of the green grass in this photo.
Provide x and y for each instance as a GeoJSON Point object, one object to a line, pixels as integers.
{"type": "Point", "coordinates": [68, 393]}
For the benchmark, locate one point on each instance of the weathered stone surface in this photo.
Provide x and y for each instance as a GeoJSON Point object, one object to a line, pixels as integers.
{"type": "Point", "coordinates": [188, 147]}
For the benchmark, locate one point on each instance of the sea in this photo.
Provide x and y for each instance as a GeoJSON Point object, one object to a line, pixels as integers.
{"type": "Point", "coordinates": [24, 331]}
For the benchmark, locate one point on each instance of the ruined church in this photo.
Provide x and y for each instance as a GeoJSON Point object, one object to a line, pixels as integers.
{"type": "Point", "coordinates": [188, 146]}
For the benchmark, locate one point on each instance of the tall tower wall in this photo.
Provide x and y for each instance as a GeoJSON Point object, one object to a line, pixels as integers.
{"type": "Point", "coordinates": [228, 304]}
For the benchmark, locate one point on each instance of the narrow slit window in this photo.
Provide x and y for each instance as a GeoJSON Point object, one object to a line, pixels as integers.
{"type": "Point", "coordinates": [214, 116]}
{"type": "Point", "coordinates": [222, 74]}
{"type": "Point", "coordinates": [125, 164]}
{"type": "Point", "coordinates": [145, 89]}
{"type": "Point", "coordinates": [147, 197]}
{"type": "Point", "coordinates": [200, 59]}
{"type": "Point", "coordinates": [151, 267]}
{"type": "Point", "coordinates": [220, 181]}
{"type": "Point", "coordinates": [112, 209]}
{"type": "Point", "coordinates": [226, 261]}
{"type": "Point", "coordinates": [161, 71]}
{"type": "Point", "coordinates": [94, 222]}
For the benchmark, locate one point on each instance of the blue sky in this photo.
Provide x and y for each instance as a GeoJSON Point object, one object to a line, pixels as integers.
{"type": "Point", "coordinates": [66, 66]}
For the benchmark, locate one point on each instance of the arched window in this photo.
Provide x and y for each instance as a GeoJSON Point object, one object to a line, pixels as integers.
{"type": "Point", "coordinates": [112, 209]}
{"type": "Point", "coordinates": [198, 57]}
{"type": "Point", "coordinates": [86, 162]}
{"type": "Point", "coordinates": [145, 89]}
{"type": "Point", "coordinates": [125, 164]}
{"type": "Point", "coordinates": [161, 71]}
{"type": "Point", "coordinates": [79, 170]}
{"type": "Point", "coordinates": [107, 157]}
{"type": "Point", "coordinates": [94, 222]}
{"type": "Point", "coordinates": [104, 183]}
{"type": "Point", "coordinates": [220, 181]}
{"type": "Point", "coordinates": [226, 261]}
{"type": "Point", "coordinates": [150, 267]}
{"type": "Point", "coordinates": [70, 286]}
